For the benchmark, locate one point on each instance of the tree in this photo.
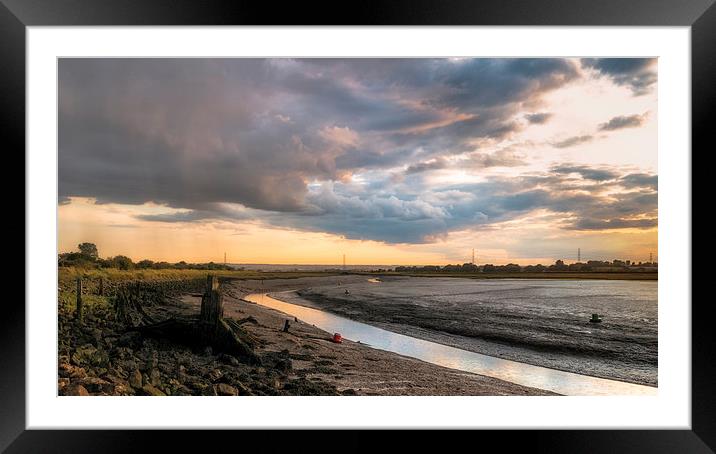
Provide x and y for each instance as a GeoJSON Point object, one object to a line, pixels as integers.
{"type": "Point", "coordinates": [122, 262]}
{"type": "Point", "coordinates": [88, 250]}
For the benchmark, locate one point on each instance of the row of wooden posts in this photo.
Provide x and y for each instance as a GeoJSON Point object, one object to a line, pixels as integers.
{"type": "Point", "coordinates": [212, 306]}
{"type": "Point", "coordinates": [78, 308]}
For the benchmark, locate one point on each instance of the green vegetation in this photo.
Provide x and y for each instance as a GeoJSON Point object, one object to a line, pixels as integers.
{"type": "Point", "coordinates": [631, 275]}
{"type": "Point", "coordinates": [592, 269]}
{"type": "Point", "coordinates": [88, 257]}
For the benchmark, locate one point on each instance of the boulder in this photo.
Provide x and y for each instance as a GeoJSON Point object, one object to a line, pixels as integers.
{"type": "Point", "coordinates": [228, 359]}
{"type": "Point", "coordinates": [135, 379]}
{"type": "Point", "coordinates": [62, 383]}
{"type": "Point", "coordinates": [215, 374]}
{"type": "Point", "coordinates": [155, 377]}
{"type": "Point", "coordinates": [76, 390]}
{"type": "Point", "coordinates": [222, 389]}
{"type": "Point", "coordinates": [152, 391]}
{"type": "Point", "coordinates": [68, 370]}
{"type": "Point", "coordinates": [97, 385]}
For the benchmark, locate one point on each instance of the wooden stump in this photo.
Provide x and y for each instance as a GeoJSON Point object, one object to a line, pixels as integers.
{"type": "Point", "coordinates": [78, 308]}
{"type": "Point", "coordinates": [212, 304]}
{"type": "Point", "coordinates": [209, 329]}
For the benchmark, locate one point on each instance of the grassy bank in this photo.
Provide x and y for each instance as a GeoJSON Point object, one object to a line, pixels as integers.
{"type": "Point", "coordinates": [69, 274]}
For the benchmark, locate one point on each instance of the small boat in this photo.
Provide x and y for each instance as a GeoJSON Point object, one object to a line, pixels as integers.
{"type": "Point", "coordinates": [595, 319]}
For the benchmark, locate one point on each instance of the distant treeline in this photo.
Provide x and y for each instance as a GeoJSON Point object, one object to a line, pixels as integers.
{"type": "Point", "coordinates": [88, 257]}
{"type": "Point", "coordinates": [559, 265]}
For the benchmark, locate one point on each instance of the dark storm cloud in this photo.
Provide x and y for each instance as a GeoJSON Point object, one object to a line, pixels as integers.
{"type": "Point", "coordinates": [572, 141]}
{"type": "Point", "coordinates": [638, 74]}
{"type": "Point", "coordinates": [190, 131]}
{"type": "Point", "coordinates": [539, 118]}
{"type": "Point", "coordinates": [623, 121]}
{"type": "Point", "coordinates": [238, 139]}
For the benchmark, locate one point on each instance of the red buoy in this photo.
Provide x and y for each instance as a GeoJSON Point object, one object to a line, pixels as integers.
{"type": "Point", "coordinates": [337, 338]}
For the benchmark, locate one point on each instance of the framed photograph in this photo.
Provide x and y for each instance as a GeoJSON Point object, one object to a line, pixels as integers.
{"type": "Point", "coordinates": [413, 217]}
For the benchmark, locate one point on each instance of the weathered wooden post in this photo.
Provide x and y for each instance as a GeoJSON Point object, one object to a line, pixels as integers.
{"type": "Point", "coordinates": [78, 308]}
{"type": "Point", "coordinates": [212, 305]}
{"type": "Point", "coordinates": [100, 291]}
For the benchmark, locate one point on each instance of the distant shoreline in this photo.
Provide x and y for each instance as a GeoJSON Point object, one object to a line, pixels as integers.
{"type": "Point", "coordinates": [628, 276]}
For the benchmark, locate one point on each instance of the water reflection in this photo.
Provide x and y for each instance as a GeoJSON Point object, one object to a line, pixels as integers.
{"type": "Point", "coordinates": [524, 374]}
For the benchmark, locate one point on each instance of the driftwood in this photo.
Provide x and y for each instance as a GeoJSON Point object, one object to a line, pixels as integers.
{"type": "Point", "coordinates": [209, 329]}
{"type": "Point", "coordinates": [128, 309]}
{"type": "Point", "coordinates": [192, 332]}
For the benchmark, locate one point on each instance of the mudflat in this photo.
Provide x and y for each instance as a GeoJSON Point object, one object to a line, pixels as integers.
{"type": "Point", "coordinates": [541, 322]}
{"type": "Point", "coordinates": [349, 366]}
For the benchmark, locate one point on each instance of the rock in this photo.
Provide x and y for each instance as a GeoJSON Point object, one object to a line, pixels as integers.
{"type": "Point", "coordinates": [201, 388]}
{"type": "Point", "coordinates": [208, 391]}
{"type": "Point", "coordinates": [152, 360]}
{"type": "Point", "coordinates": [62, 383]}
{"type": "Point", "coordinates": [152, 391]}
{"type": "Point", "coordinates": [243, 389]}
{"type": "Point", "coordinates": [228, 359]}
{"type": "Point", "coordinates": [181, 373]}
{"type": "Point", "coordinates": [215, 374]}
{"type": "Point", "coordinates": [222, 389]}
{"type": "Point", "coordinates": [155, 377]}
{"type": "Point", "coordinates": [109, 341]}
{"type": "Point", "coordinates": [97, 385]}
{"type": "Point", "coordinates": [121, 389]}
{"type": "Point", "coordinates": [88, 355]}
{"type": "Point", "coordinates": [178, 389]}
{"type": "Point", "coordinates": [68, 370]}
{"type": "Point", "coordinates": [135, 379]}
{"type": "Point", "coordinates": [130, 339]}
{"type": "Point", "coordinates": [76, 390]}
{"type": "Point", "coordinates": [128, 364]}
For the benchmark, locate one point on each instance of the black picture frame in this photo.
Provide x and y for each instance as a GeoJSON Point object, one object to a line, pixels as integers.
{"type": "Point", "coordinates": [16, 15]}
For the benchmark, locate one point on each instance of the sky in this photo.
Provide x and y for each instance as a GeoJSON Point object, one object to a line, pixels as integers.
{"type": "Point", "coordinates": [388, 161]}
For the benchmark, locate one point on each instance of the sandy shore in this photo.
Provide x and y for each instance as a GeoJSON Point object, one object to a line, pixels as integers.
{"type": "Point", "coordinates": [349, 365]}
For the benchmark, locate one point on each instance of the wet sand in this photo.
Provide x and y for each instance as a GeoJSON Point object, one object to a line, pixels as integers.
{"type": "Point", "coordinates": [349, 365]}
